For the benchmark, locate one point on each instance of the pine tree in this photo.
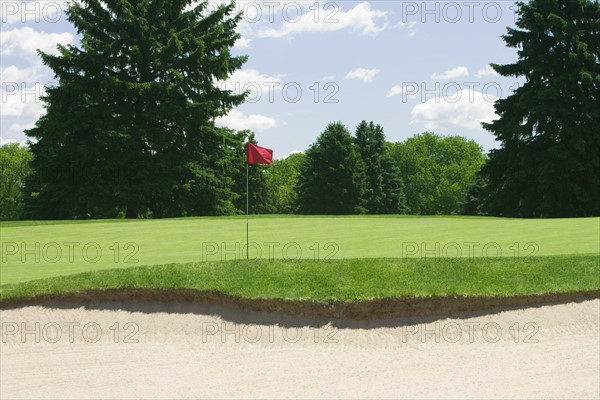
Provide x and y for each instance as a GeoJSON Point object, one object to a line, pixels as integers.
{"type": "Point", "coordinates": [332, 178]}
{"type": "Point", "coordinates": [383, 194]}
{"type": "Point", "coordinates": [476, 196]}
{"type": "Point", "coordinates": [129, 127]}
{"type": "Point", "coordinates": [394, 194]}
{"type": "Point", "coordinates": [549, 161]}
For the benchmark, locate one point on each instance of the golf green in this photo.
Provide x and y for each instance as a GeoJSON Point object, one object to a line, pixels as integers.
{"type": "Point", "coordinates": [42, 249]}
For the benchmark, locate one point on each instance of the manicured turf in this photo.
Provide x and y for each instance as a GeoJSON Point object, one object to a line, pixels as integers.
{"type": "Point", "coordinates": [341, 280]}
{"type": "Point", "coordinates": [34, 250]}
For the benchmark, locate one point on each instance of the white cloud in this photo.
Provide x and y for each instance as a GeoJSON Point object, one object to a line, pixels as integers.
{"type": "Point", "coordinates": [365, 75]}
{"type": "Point", "coordinates": [260, 85]}
{"type": "Point", "coordinates": [21, 108]}
{"type": "Point", "coordinates": [21, 101]}
{"type": "Point", "coordinates": [7, 141]}
{"type": "Point", "coordinates": [22, 142]}
{"type": "Point", "coordinates": [239, 121]}
{"type": "Point", "coordinates": [329, 19]}
{"type": "Point", "coordinates": [395, 90]}
{"type": "Point", "coordinates": [408, 91]}
{"type": "Point", "coordinates": [451, 73]}
{"type": "Point", "coordinates": [44, 11]}
{"type": "Point", "coordinates": [24, 42]}
{"type": "Point", "coordinates": [464, 109]}
{"type": "Point", "coordinates": [410, 27]}
{"type": "Point", "coordinates": [242, 43]}
{"type": "Point", "coordinates": [28, 75]}
{"type": "Point", "coordinates": [15, 130]}
{"type": "Point", "coordinates": [488, 70]}
{"type": "Point", "coordinates": [288, 154]}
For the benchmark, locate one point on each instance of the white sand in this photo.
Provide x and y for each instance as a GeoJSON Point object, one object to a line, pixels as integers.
{"type": "Point", "coordinates": [201, 351]}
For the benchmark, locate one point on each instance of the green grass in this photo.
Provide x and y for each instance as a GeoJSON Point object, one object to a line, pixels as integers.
{"type": "Point", "coordinates": [30, 250]}
{"type": "Point", "coordinates": [339, 280]}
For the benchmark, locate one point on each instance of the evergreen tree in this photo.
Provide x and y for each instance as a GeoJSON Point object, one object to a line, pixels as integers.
{"type": "Point", "coordinates": [474, 203]}
{"type": "Point", "coordinates": [332, 178]}
{"type": "Point", "coordinates": [549, 161]}
{"type": "Point", "coordinates": [393, 188]}
{"type": "Point", "coordinates": [129, 127]}
{"type": "Point", "coordinates": [383, 194]}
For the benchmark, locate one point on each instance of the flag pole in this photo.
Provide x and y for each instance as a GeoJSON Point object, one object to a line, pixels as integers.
{"type": "Point", "coordinates": [246, 207]}
{"type": "Point", "coordinates": [260, 155]}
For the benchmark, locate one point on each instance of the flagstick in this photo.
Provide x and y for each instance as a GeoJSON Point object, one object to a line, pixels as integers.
{"type": "Point", "coordinates": [246, 210]}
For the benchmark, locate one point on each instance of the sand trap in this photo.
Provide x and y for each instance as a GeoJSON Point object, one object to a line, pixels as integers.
{"type": "Point", "coordinates": [184, 350]}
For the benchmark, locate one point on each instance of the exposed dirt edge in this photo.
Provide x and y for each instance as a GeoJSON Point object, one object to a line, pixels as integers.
{"type": "Point", "coordinates": [366, 309]}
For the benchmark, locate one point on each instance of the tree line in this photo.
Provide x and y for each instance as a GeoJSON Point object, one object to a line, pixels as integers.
{"type": "Point", "coordinates": [365, 174]}
{"type": "Point", "coordinates": [129, 129]}
{"type": "Point", "coordinates": [338, 174]}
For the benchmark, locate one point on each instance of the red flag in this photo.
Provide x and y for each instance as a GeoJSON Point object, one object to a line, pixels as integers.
{"type": "Point", "coordinates": [259, 155]}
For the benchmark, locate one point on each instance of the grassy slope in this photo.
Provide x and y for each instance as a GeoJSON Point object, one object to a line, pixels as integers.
{"type": "Point", "coordinates": [343, 280]}
{"type": "Point", "coordinates": [181, 240]}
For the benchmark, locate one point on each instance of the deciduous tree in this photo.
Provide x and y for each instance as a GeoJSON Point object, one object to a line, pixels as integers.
{"type": "Point", "coordinates": [282, 179]}
{"type": "Point", "coordinates": [437, 171]}
{"type": "Point", "coordinates": [14, 169]}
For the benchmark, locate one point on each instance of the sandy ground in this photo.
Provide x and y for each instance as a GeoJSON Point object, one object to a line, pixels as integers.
{"type": "Point", "coordinates": [183, 350]}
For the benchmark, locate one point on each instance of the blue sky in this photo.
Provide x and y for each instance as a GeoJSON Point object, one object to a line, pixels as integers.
{"type": "Point", "coordinates": [411, 66]}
